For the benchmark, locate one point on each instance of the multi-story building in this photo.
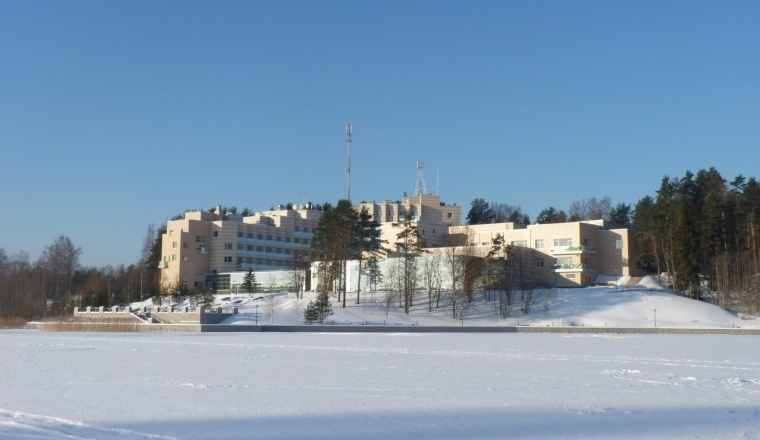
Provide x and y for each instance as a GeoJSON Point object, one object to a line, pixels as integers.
{"type": "Point", "coordinates": [199, 247]}
{"type": "Point", "coordinates": [562, 254]}
{"type": "Point", "coordinates": [204, 248]}
{"type": "Point", "coordinates": [433, 218]}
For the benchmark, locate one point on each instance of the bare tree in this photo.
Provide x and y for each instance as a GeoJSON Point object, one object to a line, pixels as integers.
{"type": "Point", "coordinates": [392, 281]}
{"type": "Point", "coordinates": [273, 301]}
{"type": "Point", "coordinates": [61, 259]}
{"type": "Point", "coordinates": [431, 274]}
{"type": "Point", "coordinates": [454, 267]}
{"type": "Point", "coordinates": [590, 209]}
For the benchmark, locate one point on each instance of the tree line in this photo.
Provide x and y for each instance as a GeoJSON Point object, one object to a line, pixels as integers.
{"type": "Point", "coordinates": [703, 232]}
{"type": "Point", "coordinates": [56, 282]}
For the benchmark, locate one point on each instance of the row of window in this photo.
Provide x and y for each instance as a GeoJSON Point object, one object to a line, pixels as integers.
{"type": "Point", "coordinates": [267, 249]}
{"type": "Point", "coordinates": [269, 236]}
{"type": "Point", "coordinates": [562, 261]}
{"type": "Point", "coordinates": [262, 261]}
{"type": "Point", "coordinates": [539, 244]}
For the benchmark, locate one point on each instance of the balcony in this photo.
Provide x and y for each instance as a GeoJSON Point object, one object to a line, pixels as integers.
{"type": "Point", "coordinates": [565, 250]}
{"type": "Point", "coordinates": [577, 267]}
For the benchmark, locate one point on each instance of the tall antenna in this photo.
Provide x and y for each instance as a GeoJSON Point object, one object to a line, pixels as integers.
{"type": "Point", "coordinates": [349, 130]}
{"type": "Point", "coordinates": [437, 175]}
{"type": "Point", "coordinates": [420, 190]}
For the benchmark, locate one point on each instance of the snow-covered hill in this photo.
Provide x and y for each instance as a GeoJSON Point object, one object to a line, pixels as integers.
{"type": "Point", "coordinates": [644, 305]}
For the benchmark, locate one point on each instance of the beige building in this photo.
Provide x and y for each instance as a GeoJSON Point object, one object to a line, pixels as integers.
{"type": "Point", "coordinates": [432, 216]}
{"type": "Point", "coordinates": [203, 248]}
{"type": "Point", "coordinates": [562, 254]}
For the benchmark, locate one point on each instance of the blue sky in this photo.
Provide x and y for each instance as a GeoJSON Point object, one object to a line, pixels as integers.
{"type": "Point", "coordinates": [115, 115]}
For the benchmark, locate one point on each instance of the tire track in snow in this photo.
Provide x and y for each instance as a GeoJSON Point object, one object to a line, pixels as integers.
{"type": "Point", "coordinates": [15, 425]}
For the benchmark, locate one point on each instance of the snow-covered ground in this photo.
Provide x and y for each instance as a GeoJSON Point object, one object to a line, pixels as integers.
{"type": "Point", "coordinates": [398, 385]}
{"type": "Point", "coordinates": [623, 306]}
{"type": "Point", "coordinates": [377, 386]}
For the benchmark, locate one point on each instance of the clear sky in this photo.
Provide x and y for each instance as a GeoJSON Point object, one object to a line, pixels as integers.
{"type": "Point", "coordinates": [118, 114]}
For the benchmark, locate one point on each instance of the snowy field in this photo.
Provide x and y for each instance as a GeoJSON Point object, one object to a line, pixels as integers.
{"type": "Point", "coordinates": [377, 386]}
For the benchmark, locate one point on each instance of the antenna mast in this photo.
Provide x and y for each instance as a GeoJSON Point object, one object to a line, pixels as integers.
{"type": "Point", "coordinates": [349, 130]}
{"type": "Point", "coordinates": [420, 190]}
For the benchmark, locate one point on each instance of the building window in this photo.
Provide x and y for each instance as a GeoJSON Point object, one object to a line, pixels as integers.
{"type": "Point", "coordinates": [174, 245]}
{"type": "Point", "coordinates": [520, 243]}
{"type": "Point", "coordinates": [297, 240]}
{"type": "Point", "coordinates": [269, 237]}
{"type": "Point", "coordinates": [563, 242]}
{"type": "Point", "coordinates": [279, 238]}
{"type": "Point", "coordinates": [227, 246]}
{"type": "Point", "coordinates": [184, 258]}
{"type": "Point", "coordinates": [200, 239]}
{"type": "Point", "coordinates": [215, 234]}
{"type": "Point", "coordinates": [174, 257]}
{"type": "Point", "coordinates": [170, 232]}
{"type": "Point", "coordinates": [540, 245]}
{"type": "Point", "coordinates": [260, 236]}
{"type": "Point", "coordinates": [298, 229]}
{"type": "Point", "coordinates": [240, 234]}
{"type": "Point", "coordinates": [539, 262]}
{"type": "Point", "coordinates": [184, 244]}
{"type": "Point", "coordinates": [287, 239]}
{"type": "Point", "coordinates": [618, 244]}
{"type": "Point", "coordinates": [268, 250]}
{"type": "Point", "coordinates": [564, 261]}
{"type": "Point", "coordinates": [259, 249]}
{"type": "Point", "coordinates": [249, 247]}
{"type": "Point", "coordinates": [451, 215]}
{"type": "Point", "coordinates": [228, 259]}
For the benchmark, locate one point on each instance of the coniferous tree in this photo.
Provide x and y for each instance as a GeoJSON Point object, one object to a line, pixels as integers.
{"type": "Point", "coordinates": [250, 285]}
{"type": "Point", "coordinates": [318, 309]}
{"type": "Point", "coordinates": [366, 242]}
{"type": "Point", "coordinates": [480, 213]}
{"type": "Point", "coordinates": [408, 244]}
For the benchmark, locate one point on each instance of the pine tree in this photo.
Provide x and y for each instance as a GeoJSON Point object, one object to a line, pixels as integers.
{"type": "Point", "coordinates": [480, 213]}
{"type": "Point", "coordinates": [318, 309]}
{"type": "Point", "coordinates": [249, 284]}
{"type": "Point", "coordinates": [366, 242]}
{"type": "Point", "coordinates": [408, 244]}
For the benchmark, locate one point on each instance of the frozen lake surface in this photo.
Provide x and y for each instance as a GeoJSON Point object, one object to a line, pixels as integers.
{"type": "Point", "coordinates": [377, 386]}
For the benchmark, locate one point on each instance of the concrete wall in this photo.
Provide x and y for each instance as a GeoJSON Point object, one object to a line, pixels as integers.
{"type": "Point", "coordinates": [199, 315]}
{"type": "Point", "coordinates": [101, 313]}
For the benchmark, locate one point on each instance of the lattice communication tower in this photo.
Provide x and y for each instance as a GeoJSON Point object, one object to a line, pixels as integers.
{"type": "Point", "coordinates": [420, 190]}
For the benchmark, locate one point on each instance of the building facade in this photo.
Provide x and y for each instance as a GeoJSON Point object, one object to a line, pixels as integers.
{"type": "Point", "coordinates": [561, 254]}
{"type": "Point", "coordinates": [196, 249]}
{"type": "Point", "coordinates": [204, 248]}
{"type": "Point", "coordinates": [433, 217]}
